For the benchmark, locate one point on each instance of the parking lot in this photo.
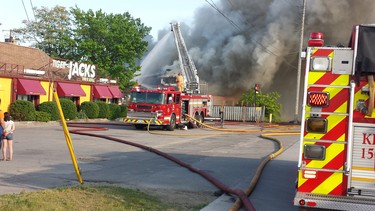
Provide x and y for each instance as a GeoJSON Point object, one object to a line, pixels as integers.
{"type": "Point", "coordinates": [41, 160]}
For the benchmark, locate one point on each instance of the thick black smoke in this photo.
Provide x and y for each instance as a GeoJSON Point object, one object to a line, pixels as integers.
{"type": "Point", "coordinates": [257, 41]}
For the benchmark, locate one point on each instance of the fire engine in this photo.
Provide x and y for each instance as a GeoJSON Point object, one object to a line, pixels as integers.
{"type": "Point", "coordinates": [165, 105]}
{"type": "Point", "coordinates": [336, 165]}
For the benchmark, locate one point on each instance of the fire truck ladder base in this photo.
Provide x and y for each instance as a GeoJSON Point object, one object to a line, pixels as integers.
{"type": "Point", "coordinates": [336, 202]}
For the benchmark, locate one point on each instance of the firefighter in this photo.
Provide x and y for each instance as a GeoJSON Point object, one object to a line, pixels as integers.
{"type": "Point", "coordinates": [180, 82]}
{"type": "Point", "coordinates": [170, 99]}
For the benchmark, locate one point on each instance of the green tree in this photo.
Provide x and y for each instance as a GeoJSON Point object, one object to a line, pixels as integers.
{"type": "Point", "coordinates": [112, 41]}
{"type": "Point", "coordinates": [50, 31]}
{"type": "Point", "coordinates": [269, 101]}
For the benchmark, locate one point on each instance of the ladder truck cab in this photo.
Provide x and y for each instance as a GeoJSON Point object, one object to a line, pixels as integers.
{"type": "Point", "coordinates": [167, 107]}
{"type": "Point", "coordinates": [336, 165]}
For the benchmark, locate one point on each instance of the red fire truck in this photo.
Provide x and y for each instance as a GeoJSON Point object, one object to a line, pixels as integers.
{"type": "Point", "coordinates": [336, 166]}
{"type": "Point", "coordinates": [167, 107]}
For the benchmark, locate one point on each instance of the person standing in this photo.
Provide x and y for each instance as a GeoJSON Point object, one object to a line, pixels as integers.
{"type": "Point", "coordinates": [8, 137]}
{"type": "Point", "coordinates": [2, 125]}
{"type": "Point", "coordinates": [180, 82]}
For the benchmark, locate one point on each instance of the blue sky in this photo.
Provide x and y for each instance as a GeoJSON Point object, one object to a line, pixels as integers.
{"type": "Point", "coordinates": [155, 13]}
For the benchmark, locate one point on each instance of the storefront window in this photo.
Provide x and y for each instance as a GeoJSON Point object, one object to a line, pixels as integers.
{"type": "Point", "coordinates": [99, 99]}
{"type": "Point", "coordinates": [32, 98]}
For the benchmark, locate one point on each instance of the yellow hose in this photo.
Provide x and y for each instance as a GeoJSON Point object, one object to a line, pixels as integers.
{"type": "Point", "coordinates": [266, 134]}
{"type": "Point", "coordinates": [238, 203]}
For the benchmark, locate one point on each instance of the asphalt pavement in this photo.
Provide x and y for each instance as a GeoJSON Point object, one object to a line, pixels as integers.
{"type": "Point", "coordinates": [41, 160]}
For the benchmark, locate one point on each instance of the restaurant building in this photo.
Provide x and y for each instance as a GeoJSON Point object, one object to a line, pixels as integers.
{"type": "Point", "coordinates": [30, 74]}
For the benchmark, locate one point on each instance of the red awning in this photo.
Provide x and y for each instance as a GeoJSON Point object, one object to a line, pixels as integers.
{"type": "Point", "coordinates": [29, 87]}
{"type": "Point", "coordinates": [116, 93]}
{"type": "Point", "coordinates": [70, 90]}
{"type": "Point", "coordinates": [101, 92]}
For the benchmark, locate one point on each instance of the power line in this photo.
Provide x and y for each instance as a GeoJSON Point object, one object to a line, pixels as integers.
{"type": "Point", "coordinates": [25, 11]}
{"type": "Point", "coordinates": [32, 7]}
{"type": "Point", "coordinates": [213, 5]}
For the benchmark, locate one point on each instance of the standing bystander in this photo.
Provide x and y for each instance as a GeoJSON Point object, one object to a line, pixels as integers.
{"type": "Point", "coordinates": [2, 125]}
{"type": "Point", "coordinates": [8, 137]}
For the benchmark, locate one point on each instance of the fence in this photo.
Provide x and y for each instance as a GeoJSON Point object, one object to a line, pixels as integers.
{"type": "Point", "coordinates": [238, 113]}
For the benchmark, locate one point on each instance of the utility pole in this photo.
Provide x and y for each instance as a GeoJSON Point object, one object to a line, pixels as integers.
{"type": "Point", "coordinates": [300, 61]}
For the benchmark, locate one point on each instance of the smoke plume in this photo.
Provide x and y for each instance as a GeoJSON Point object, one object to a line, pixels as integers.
{"type": "Point", "coordinates": [242, 43]}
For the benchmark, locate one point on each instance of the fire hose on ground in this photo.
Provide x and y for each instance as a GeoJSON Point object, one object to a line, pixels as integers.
{"type": "Point", "coordinates": [243, 196]}
{"type": "Point", "coordinates": [238, 203]}
{"type": "Point", "coordinates": [205, 175]}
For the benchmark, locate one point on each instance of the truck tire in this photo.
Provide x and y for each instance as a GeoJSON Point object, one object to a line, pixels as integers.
{"type": "Point", "coordinates": [172, 123]}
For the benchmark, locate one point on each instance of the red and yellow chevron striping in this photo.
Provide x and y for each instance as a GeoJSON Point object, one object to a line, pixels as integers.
{"type": "Point", "coordinates": [152, 121]}
{"type": "Point", "coordinates": [329, 177]}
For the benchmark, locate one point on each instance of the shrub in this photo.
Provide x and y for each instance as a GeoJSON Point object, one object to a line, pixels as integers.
{"type": "Point", "coordinates": [82, 115]}
{"type": "Point", "coordinates": [114, 111]}
{"type": "Point", "coordinates": [103, 109]}
{"type": "Point", "coordinates": [69, 109]}
{"type": "Point", "coordinates": [123, 111]}
{"type": "Point", "coordinates": [22, 110]}
{"type": "Point", "coordinates": [91, 109]}
{"type": "Point", "coordinates": [31, 116]}
{"type": "Point", "coordinates": [51, 108]}
{"type": "Point", "coordinates": [42, 116]}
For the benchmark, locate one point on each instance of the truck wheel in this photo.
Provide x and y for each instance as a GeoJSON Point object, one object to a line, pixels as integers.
{"type": "Point", "coordinates": [172, 123]}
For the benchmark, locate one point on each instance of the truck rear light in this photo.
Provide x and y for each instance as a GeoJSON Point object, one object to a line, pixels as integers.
{"type": "Point", "coordinates": [309, 174]}
{"type": "Point", "coordinates": [302, 202]}
{"type": "Point", "coordinates": [316, 125]}
{"type": "Point", "coordinates": [319, 63]}
{"type": "Point", "coordinates": [311, 203]}
{"type": "Point", "coordinates": [314, 152]}
{"type": "Point", "coordinates": [318, 99]}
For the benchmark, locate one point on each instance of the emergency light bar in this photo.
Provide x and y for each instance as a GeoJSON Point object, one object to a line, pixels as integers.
{"type": "Point", "coordinates": [316, 39]}
{"type": "Point", "coordinates": [318, 99]}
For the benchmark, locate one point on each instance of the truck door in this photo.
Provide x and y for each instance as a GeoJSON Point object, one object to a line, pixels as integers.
{"type": "Point", "coordinates": [185, 109]}
{"type": "Point", "coordinates": [362, 178]}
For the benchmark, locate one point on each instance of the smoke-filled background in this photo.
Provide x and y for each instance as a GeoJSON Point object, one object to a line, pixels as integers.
{"type": "Point", "coordinates": [237, 44]}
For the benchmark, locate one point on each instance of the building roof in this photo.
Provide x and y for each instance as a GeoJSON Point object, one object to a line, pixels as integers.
{"type": "Point", "coordinates": [24, 57]}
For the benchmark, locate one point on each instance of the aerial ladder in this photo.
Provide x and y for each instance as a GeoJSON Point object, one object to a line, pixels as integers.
{"type": "Point", "coordinates": [188, 69]}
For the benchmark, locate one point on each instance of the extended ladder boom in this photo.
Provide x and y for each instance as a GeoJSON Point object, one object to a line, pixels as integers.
{"type": "Point", "coordinates": [191, 79]}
